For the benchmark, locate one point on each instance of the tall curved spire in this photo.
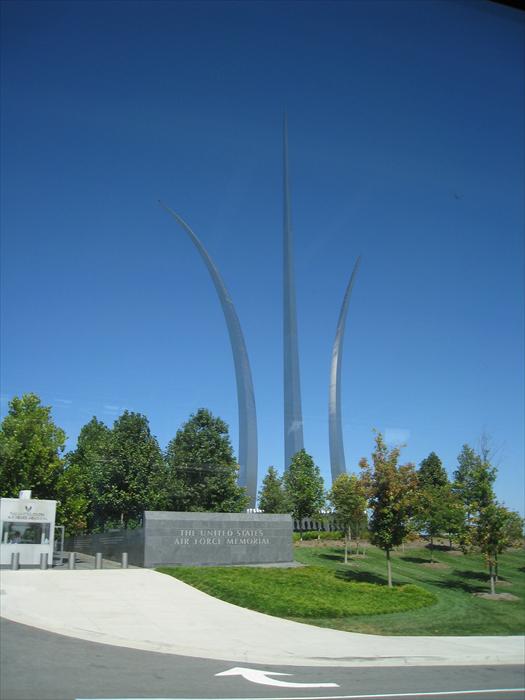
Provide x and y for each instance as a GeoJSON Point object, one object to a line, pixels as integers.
{"type": "Point", "coordinates": [335, 430]}
{"type": "Point", "coordinates": [243, 375]}
{"type": "Point", "coordinates": [293, 415]}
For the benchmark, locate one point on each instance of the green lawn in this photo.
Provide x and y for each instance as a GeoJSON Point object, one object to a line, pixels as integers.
{"type": "Point", "coordinates": [309, 592]}
{"type": "Point", "coordinates": [425, 600]}
{"type": "Point", "coordinates": [456, 612]}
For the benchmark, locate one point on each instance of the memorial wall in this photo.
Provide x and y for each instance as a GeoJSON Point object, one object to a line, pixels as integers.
{"type": "Point", "coordinates": [196, 539]}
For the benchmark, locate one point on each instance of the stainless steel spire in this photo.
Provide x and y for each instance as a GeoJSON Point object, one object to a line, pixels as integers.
{"type": "Point", "coordinates": [293, 416]}
{"type": "Point", "coordinates": [335, 430]}
{"type": "Point", "coordinates": [243, 375]}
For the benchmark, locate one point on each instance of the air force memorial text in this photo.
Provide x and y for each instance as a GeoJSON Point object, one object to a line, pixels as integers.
{"type": "Point", "coordinates": [220, 537]}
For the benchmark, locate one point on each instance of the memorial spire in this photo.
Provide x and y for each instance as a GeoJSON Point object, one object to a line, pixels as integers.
{"type": "Point", "coordinates": [293, 416]}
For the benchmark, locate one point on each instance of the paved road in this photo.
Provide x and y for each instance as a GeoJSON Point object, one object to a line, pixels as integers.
{"type": "Point", "coordinates": [39, 665]}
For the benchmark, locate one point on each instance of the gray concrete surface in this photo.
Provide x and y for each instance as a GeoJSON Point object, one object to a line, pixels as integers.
{"type": "Point", "coordinates": [216, 538]}
{"type": "Point", "coordinates": [62, 668]}
{"type": "Point", "coordinates": [146, 610]}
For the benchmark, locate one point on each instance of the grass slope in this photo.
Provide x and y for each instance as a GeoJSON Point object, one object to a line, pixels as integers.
{"type": "Point", "coordinates": [310, 592]}
{"type": "Point", "coordinates": [453, 581]}
{"type": "Point", "coordinates": [427, 600]}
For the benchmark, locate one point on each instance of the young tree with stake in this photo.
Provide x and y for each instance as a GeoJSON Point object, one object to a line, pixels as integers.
{"type": "Point", "coordinates": [391, 491]}
{"type": "Point", "coordinates": [348, 497]}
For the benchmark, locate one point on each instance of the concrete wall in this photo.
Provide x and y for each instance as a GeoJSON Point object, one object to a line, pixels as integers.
{"type": "Point", "coordinates": [195, 539]}
{"type": "Point", "coordinates": [216, 538]}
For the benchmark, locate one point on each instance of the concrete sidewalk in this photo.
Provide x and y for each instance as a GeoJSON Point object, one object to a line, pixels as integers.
{"type": "Point", "coordinates": [143, 609]}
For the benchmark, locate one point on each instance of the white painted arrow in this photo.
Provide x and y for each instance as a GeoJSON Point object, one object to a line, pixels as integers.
{"type": "Point", "coordinates": [255, 676]}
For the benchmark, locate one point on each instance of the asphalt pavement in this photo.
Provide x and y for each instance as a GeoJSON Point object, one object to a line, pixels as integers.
{"type": "Point", "coordinates": [38, 665]}
{"type": "Point", "coordinates": [136, 633]}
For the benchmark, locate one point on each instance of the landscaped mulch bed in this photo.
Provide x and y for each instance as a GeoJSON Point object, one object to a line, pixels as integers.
{"type": "Point", "coordinates": [496, 596]}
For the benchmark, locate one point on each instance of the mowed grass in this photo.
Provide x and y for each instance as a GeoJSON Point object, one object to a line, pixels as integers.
{"type": "Point", "coordinates": [426, 600]}
{"type": "Point", "coordinates": [301, 593]}
{"type": "Point", "coordinates": [454, 581]}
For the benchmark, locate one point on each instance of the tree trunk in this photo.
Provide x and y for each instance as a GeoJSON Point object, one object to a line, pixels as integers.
{"type": "Point", "coordinates": [431, 550]}
{"type": "Point", "coordinates": [492, 582]}
{"type": "Point", "coordinates": [496, 568]}
{"type": "Point", "coordinates": [346, 548]}
{"type": "Point", "coordinates": [388, 568]}
{"type": "Point", "coordinates": [450, 543]}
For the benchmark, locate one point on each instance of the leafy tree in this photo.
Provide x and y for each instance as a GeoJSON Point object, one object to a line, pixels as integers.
{"type": "Point", "coordinates": [73, 500]}
{"type": "Point", "coordinates": [497, 529]}
{"type": "Point", "coordinates": [391, 491]}
{"type": "Point", "coordinates": [85, 475]}
{"type": "Point", "coordinates": [431, 472]}
{"type": "Point", "coordinates": [202, 469]}
{"type": "Point", "coordinates": [272, 498]}
{"type": "Point", "coordinates": [30, 449]}
{"type": "Point", "coordinates": [133, 478]}
{"type": "Point", "coordinates": [438, 512]}
{"type": "Point", "coordinates": [304, 488]}
{"type": "Point", "coordinates": [513, 529]}
{"type": "Point", "coordinates": [512, 535]}
{"type": "Point", "coordinates": [348, 497]}
{"type": "Point", "coordinates": [491, 526]}
{"type": "Point", "coordinates": [474, 479]}
{"type": "Point", "coordinates": [435, 501]}
{"type": "Point", "coordinates": [464, 476]}
{"type": "Point", "coordinates": [484, 478]}
{"type": "Point", "coordinates": [457, 529]}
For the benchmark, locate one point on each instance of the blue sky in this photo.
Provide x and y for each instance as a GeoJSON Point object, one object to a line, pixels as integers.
{"type": "Point", "coordinates": [406, 147]}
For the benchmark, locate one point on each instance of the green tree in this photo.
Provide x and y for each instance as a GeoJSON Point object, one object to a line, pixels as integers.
{"type": "Point", "coordinates": [491, 527]}
{"type": "Point", "coordinates": [133, 478]}
{"type": "Point", "coordinates": [431, 472]}
{"type": "Point", "coordinates": [348, 497]}
{"type": "Point", "coordinates": [85, 474]}
{"type": "Point", "coordinates": [464, 482]}
{"type": "Point", "coordinates": [202, 469]}
{"type": "Point", "coordinates": [391, 491]}
{"type": "Point", "coordinates": [484, 478]}
{"type": "Point", "coordinates": [497, 529]}
{"type": "Point", "coordinates": [512, 535]}
{"type": "Point", "coordinates": [304, 488]}
{"type": "Point", "coordinates": [435, 500]}
{"type": "Point", "coordinates": [457, 529]}
{"type": "Point", "coordinates": [30, 449]}
{"type": "Point", "coordinates": [73, 500]}
{"type": "Point", "coordinates": [272, 498]}
{"type": "Point", "coordinates": [436, 512]}
{"type": "Point", "coordinates": [474, 479]}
